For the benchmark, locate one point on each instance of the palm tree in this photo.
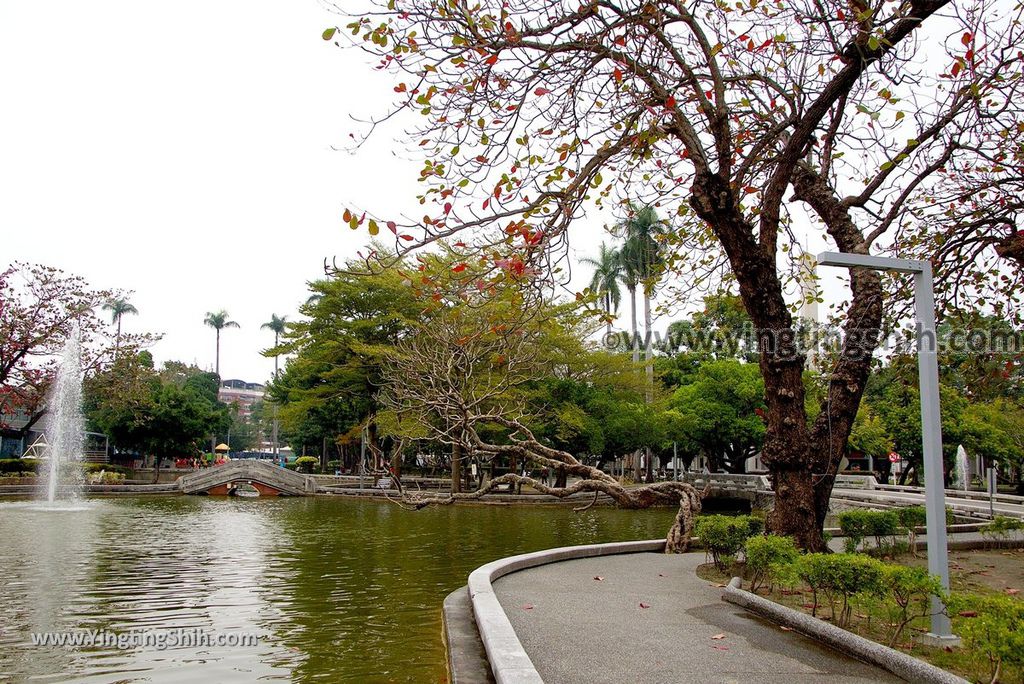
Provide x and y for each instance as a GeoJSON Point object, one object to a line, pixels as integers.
{"type": "Point", "coordinates": [642, 260]}
{"type": "Point", "coordinates": [607, 271]}
{"type": "Point", "coordinates": [218, 321]}
{"type": "Point", "coordinates": [277, 325]}
{"type": "Point", "coordinates": [117, 309]}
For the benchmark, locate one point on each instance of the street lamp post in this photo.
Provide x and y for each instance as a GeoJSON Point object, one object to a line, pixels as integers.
{"type": "Point", "coordinates": [931, 425]}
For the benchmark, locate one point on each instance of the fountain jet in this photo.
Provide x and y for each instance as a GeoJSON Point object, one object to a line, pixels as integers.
{"type": "Point", "coordinates": [65, 427]}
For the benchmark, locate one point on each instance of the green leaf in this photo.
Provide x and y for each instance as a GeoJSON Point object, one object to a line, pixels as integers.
{"type": "Point", "coordinates": [374, 228]}
{"type": "Point", "coordinates": [329, 33]}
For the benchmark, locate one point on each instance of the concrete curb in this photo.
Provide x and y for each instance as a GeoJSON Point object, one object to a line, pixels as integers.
{"type": "Point", "coordinates": [466, 658]}
{"type": "Point", "coordinates": [509, 661]}
{"type": "Point", "coordinates": [900, 664]}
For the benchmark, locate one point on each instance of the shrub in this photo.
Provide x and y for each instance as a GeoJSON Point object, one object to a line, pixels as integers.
{"type": "Point", "coordinates": [911, 590]}
{"type": "Point", "coordinates": [105, 477]}
{"type": "Point", "coordinates": [305, 464]}
{"type": "Point", "coordinates": [724, 535]}
{"type": "Point", "coordinates": [859, 524]}
{"type": "Point", "coordinates": [991, 625]}
{"type": "Point", "coordinates": [912, 517]}
{"type": "Point", "coordinates": [767, 557]}
{"type": "Point", "coordinates": [104, 467]}
{"type": "Point", "coordinates": [840, 576]}
{"type": "Point", "coordinates": [15, 465]}
{"type": "Point", "coordinates": [1000, 528]}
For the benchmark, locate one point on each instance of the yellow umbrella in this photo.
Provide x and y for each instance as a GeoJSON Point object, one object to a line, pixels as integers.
{"type": "Point", "coordinates": [222, 447]}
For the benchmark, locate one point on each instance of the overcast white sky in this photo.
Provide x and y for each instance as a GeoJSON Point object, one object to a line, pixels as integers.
{"type": "Point", "coordinates": [184, 151]}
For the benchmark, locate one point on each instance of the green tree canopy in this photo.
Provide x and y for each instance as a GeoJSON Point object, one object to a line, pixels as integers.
{"type": "Point", "coordinates": [719, 413]}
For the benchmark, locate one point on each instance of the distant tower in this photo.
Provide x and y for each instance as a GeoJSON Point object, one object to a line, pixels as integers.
{"type": "Point", "coordinates": [808, 281]}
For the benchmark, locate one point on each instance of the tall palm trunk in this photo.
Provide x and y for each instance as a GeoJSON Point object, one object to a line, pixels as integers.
{"type": "Point", "coordinates": [608, 310]}
{"type": "Point", "coordinates": [649, 370]}
{"type": "Point", "coordinates": [637, 469]}
{"type": "Point", "coordinates": [117, 340]}
{"type": "Point", "coordinates": [217, 366]}
{"type": "Point", "coordinates": [648, 350]}
{"type": "Point", "coordinates": [274, 428]}
{"type": "Point", "coordinates": [636, 333]}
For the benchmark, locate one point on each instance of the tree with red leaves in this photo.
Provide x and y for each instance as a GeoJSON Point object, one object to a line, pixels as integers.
{"type": "Point", "coordinates": [38, 307]}
{"type": "Point", "coordinates": [739, 121]}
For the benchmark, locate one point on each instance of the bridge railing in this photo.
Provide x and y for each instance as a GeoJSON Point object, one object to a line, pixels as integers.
{"type": "Point", "coordinates": [745, 482]}
{"type": "Point", "coordinates": [957, 493]}
{"type": "Point", "coordinates": [272, 475]}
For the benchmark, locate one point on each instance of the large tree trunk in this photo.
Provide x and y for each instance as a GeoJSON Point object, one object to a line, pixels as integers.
{"type": "Point", "coordinates": [849, 375]}
{"type": "Point", "coordinates": [786, 451]}
{"type": "Point", "coordinates": [396, 460]}
{"type": "Point", "coordinates": [802, 461]}
{"type": "Point", "coordinates": [456, 468]}
{"type": "Point", "coordinates": [561, 478]}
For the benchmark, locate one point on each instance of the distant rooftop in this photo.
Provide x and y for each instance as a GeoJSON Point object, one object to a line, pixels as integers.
{"type": "Point", "coordinates": [242, 385]}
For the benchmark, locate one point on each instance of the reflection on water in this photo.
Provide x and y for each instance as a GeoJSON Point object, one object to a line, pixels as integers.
{"type": "Point", "coordinates": [336, 590]}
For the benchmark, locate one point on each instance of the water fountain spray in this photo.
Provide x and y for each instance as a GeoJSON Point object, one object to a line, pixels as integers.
{"type": "Point", "coordinates": [65, 428]}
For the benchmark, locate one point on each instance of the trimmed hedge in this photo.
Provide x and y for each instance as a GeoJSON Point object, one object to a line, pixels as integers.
{"type": "Point", "coordinates": [861, 523]}
{"type": "Point", "coordinates": [840, 576]}
{"type": "Point", "coordinates": [307, 464]}
{"type": "Point", "coordinates": [723, 536]}
{"type": "Point", "coordinates": [768, 556]}
{"type": "Point", "coordinates": [16, 465]}
{"type": "Point", "coordinates": [31, 466]}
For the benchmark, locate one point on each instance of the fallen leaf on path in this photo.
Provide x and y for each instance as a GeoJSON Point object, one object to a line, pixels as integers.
{"type": "Point", "coordinates": [661, 574]}
{"type": "Point", "coordinates": [528, 606]}
{"type": "Point", "coordinates": [644, 605]}
{"type": "Point", "coordinates": [720, 586]}
{"type": "Point", "coordinates": [598, 578]}
{"type": "Point", "coordinates": [721, 648]}
{"type": "Point", "coordinates": [718, 636]}
{"type": "Point", "coordinates": [1013, 592]}
{"type": "Point", "coordinates": [785, 629]}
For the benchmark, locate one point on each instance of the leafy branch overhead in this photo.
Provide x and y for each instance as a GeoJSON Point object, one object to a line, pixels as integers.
{"type": "Point", "coordinates": [732, 120]}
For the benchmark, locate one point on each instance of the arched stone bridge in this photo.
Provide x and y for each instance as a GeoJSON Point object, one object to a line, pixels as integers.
{"type": "Point", "coordinates": [267, 478]}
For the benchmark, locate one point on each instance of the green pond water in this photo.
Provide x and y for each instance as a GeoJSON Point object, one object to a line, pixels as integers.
{"type": "Point", "coordinates": [334, 590]}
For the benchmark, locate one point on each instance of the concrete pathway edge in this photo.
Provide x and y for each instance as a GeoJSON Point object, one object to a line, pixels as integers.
{"type": "Point", "coordinates": [900, 664]}
{"type": "Point", "coordinates": [509, 661]}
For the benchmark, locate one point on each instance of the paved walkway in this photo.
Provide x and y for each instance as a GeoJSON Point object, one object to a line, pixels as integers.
{"type": "Point", "coordinates": [580, 630]}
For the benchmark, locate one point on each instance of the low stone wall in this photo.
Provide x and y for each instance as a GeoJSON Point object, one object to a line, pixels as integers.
{"type": "Point", "coordinates": [900, 664]}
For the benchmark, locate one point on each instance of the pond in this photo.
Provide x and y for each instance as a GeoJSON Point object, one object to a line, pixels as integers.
{"type": "Point", "coordinates": [332, 589]}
